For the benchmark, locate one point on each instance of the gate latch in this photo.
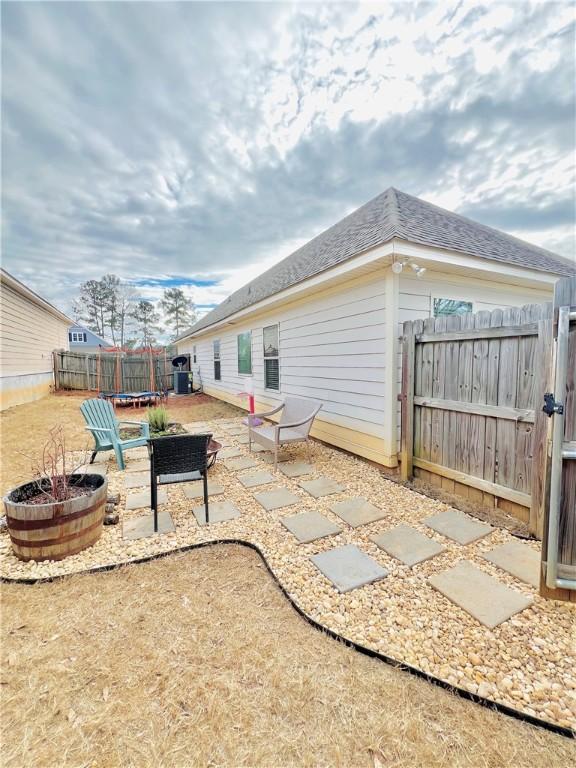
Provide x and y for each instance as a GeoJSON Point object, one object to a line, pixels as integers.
{"type": "Point", "coordinates": [551, 406]}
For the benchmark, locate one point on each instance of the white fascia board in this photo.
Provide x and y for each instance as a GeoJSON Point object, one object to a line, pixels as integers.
{"type": "Point", "coordinates": [395, 249]}
{"type": "Point", "coordinates": [382, 254]}
{"type": "Point", "coordinates": [494, 270]}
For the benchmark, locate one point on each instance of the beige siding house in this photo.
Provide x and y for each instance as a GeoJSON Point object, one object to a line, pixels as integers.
{"type": "Point", "coordinates": [30, 329]}
{"type": "Point", "coordinates": [325, 322]}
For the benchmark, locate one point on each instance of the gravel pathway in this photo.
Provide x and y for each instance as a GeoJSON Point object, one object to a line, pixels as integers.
{"type": "Point", "coordinates": [527, 662]}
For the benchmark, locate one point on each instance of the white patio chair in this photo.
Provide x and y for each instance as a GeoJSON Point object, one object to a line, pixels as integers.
{"type": "Point", "coordinates": [294, 425]}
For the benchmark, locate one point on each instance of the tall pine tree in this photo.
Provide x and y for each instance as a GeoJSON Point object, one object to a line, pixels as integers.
{"type": "Point", "coordinates": [179, 310]}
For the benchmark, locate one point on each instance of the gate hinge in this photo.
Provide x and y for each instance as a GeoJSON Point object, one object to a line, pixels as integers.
{"type": "Point", "coordinates": [551, 406]}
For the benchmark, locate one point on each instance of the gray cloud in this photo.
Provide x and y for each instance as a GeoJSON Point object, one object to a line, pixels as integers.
{"type": "Point", "coordinates": [196, 139]}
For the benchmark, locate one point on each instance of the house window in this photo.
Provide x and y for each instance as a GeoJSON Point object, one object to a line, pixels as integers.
{"type": "Point", "coordinates": [194, 354]}
{"type": "Point", "coordinates": [444, 307]}
{"type": "Point", "coordinates": [245, 352]}
{"type": "Point", "coordinates": [76, 336]}
{"type": "Point", "coordinates": [217, 368]}
{"type": "Point", "coordinates": [271, 359]}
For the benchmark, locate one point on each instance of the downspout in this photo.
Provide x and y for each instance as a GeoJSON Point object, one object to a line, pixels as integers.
{"type": "Point", "coordinates": [391, 310]}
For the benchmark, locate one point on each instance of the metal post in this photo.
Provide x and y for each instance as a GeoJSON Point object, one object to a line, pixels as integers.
{"type": "Point", "coordinates": [557, 446]}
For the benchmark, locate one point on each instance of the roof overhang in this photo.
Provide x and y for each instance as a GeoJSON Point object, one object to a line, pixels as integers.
{"type": "Point", "coordinates": [435, 259]}
{"type": "Point", "coordinates": [34, 298]}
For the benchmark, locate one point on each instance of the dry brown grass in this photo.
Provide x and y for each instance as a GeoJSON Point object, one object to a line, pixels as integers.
{"type": "Point", "coordinates": [197, 660]}
{"type": "Point", "coordinates": [24, 429]}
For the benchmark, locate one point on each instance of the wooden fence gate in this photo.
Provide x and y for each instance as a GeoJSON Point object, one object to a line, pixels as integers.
{"type": "Point", "coordinates": [473, 390]}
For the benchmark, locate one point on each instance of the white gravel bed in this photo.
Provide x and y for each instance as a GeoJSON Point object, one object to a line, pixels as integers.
{"type": "Point", "coordinates": [527, 663]}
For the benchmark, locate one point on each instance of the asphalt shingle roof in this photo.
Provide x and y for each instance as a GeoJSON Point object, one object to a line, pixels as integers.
{"type": "Point", "coordinates": [391, 214]}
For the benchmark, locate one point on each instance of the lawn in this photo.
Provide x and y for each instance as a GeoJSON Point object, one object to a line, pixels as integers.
{"type": "Point", "coordinates": [198, 659]}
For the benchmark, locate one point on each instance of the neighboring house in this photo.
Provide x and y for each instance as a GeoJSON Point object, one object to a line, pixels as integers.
{"type": "Point", "coordinates": [83, 340]}
{"type": "Point", "coordinates": [325, 322]}
{"type": "Point", "coordinates": [30, 330]}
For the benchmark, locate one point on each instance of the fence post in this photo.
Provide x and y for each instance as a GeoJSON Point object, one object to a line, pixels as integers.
{"type": "Point", "coordinates": [564, 524]}
{"type": "Point", "coordinates": [55, 367]}
{"type": "Point", "coordinates": [407, 398]}
{"type": "Point", "coordinates": [87, 361]}
{"type": "Point", "coordinates": [542, 424]}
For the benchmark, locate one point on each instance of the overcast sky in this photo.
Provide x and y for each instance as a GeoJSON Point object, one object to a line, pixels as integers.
{"type": "Point", "coordinates": [196, 144]}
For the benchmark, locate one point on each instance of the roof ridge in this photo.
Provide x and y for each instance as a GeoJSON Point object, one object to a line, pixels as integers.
{"type": "Point", "coordinates": [395, 211]}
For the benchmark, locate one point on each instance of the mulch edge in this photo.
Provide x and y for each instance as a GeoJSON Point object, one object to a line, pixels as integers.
{"type": "Point", "coordinates": [370, 652]}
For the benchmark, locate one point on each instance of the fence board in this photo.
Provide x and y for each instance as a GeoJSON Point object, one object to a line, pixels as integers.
{"type": "Point", "coordinates": [507, 387]}
{"type": "Point", "coordinates": [541, 433]}
{"type": "Point", "coordinates": [476, 387]}
{"type": "Point", "coordinates": [438, 388]}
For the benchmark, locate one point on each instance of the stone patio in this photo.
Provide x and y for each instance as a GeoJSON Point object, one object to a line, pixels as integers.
{"type": "Point", "coordinates": [357, 512]}
{"type": "Point", "coordinates": [408, 545]}
{"type": "Point", "coordinates": [309, 526]}
{"type": "Point", "coordinates": [276, 498]}
{"type": "Point", "coordinates": [142, 527]}
{"type": "Point", "coordinates": [258, 478]}
{"type": "Point", "coordinates": [218, 512]}
{"type": "Point", "coordinates": [459, 527]}
{"type": "Point", "coordinates": [136, 479]}
{"type": "Point", "coordinates": [140, 465]}
{"type": "Point", "coordinates": [197, 427]}
{"type": "Point", "coordinates": [482, 596]}
{"type": "Point", "coordinates": [322, 486]}
{"type": "Point", "coordinates": [196, 490]}
{"type": "Point", "coordinates": [142, 499]}
{"type": "Point", "coordinates": [243, 462]}
{"type": "Point", "coordinates": [517, 559]}
{"type": "Point", "coordinates": [296, 468]}
{"type": "Point", "coordinates": [230, 453]}
{"type": "Point", "coordinates": [348, 567]}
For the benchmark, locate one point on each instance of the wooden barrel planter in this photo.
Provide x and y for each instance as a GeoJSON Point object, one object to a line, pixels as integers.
{"type": "Point", "coordinates": [55, 530]}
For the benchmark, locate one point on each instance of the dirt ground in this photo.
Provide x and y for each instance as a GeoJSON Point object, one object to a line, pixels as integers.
{"type": "Point", "coordinates": [23, 429]}
{"type": "Point", "coordinates": [198, 660]}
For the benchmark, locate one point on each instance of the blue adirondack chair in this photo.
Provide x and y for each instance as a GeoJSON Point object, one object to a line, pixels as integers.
{"type": "Point", "coordinates": [105, 427]}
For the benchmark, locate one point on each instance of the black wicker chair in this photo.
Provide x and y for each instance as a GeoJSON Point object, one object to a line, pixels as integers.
{"type": "Point", "coordinates": [178, 459]}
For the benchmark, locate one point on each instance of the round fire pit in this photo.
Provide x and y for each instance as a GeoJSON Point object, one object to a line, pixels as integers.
{"type": "Point", "coordinates": [213, 447]}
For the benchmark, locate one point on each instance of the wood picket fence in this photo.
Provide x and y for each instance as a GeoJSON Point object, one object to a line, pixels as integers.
{"type": "Point", "coordinates": [473, 422]}
{"type": "Point", "coordinates": [112, 372]}
{"type": "Point", "coordinates": [471, 388]}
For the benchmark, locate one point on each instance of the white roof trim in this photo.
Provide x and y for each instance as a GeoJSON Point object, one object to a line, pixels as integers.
{"type": "Point", "coordinates": [385, 254]}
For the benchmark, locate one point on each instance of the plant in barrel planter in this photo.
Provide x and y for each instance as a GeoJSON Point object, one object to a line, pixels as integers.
{"type": "Point", "coordinates": [59, 513]}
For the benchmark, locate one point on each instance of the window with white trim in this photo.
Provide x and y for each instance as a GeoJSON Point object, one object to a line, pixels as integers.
{"type": "Point", "coordinates": [443, 307]}
{"type": "Point", "coordinates": [245, 353]}
{"type": "Point", "coordinates": [217, 362]}
{"type": "Point", "coordinates": [77, 336]}
{"type": "Point", "coordinates": [271, 357]}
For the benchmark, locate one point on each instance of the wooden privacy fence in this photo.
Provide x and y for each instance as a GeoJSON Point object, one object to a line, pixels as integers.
{"type": "Point", "coordinates": [112, 372]}
{"type": "Point", "coordinates": [557, 468]}
{"type": "Point", "coordinates": [472, 393]}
